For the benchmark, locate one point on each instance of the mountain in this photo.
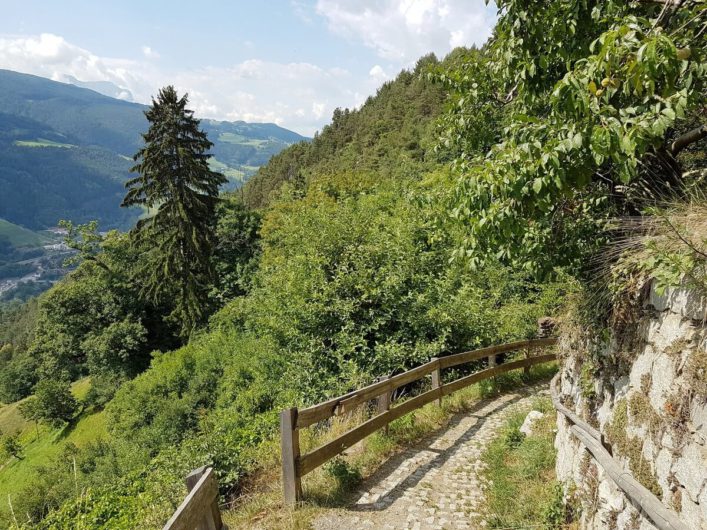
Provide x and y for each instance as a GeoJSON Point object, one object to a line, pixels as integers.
{"type": "Point", "coordinates": [393, 135]}
{"type": "Point", "coordinates": [65, 151]}
{"type": "Point", "coordinates": [102, 87]}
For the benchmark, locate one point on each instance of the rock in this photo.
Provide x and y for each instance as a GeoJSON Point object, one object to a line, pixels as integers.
{"type": "Point", "coordinates": [532, 417]}
{"type": "Point", "coordinates": [668, 426]}
{"type": "Point", "coordinates": [613, 498]}
{"type": "Point", "coordinates": [685, 302]}
{"type": "Point", "coordinates": [663, 463]}
{"type": "Point", "coordinates": [691, 470]}
{"type": "Point", "coordinates": [546, 325]}
{"type": "Point", "coordinates": [698, 416]}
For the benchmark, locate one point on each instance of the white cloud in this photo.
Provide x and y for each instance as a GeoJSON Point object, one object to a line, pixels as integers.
{"type": "Point", "coordinates": [300, 96]}
{"type": "Point", "coordinates": [301, 11]}
{"type": "Point", "coordinates": [401, 31]}
{"type": "Point", "coordinates": [297, 95]}
{"type": "Point", "coordinates": [52, 56]}
{"type": "Point", "coordinates": [150, 53]}
{"type": "Point", "coordinates": [378, 74]}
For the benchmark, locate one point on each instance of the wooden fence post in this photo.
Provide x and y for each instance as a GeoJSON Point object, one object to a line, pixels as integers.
{"type": "Point", "coordinates": [492, 361]}
{"type": "Point", "coordinates": [384, 401]}
{"type": "Point", "coordinates": [437, 379]}
{"type": "Point", "coordinates": [289, 445]}
{"type": "Point", "coordinates": [526, 370]}
{"type": "Point", "coordinates": [212, 519]}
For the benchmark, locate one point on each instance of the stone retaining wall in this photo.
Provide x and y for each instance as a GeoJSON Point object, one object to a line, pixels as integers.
{"type": "Point", "coordinates": [646, 391]}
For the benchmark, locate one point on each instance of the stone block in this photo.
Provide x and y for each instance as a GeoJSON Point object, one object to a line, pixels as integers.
{"type": "Point", "coordinates": [685, 302]}
{"type": "Point", "coordinates": [530, 419]}
{"type": "Point", "coordinates": [611, 496]}
{"type": "Point", "coordinates": [663, 383]}
{"type": "Point", "coordinates": [690, 470]}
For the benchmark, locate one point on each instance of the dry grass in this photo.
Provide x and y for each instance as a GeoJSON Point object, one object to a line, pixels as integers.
{"type": "Point", "coordinates": [260, 505]}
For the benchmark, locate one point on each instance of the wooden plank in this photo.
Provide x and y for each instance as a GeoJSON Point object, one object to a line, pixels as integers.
{"type": "Point", "coordinates": [289, 447]}
{"type": "Point", "coordinates": [350, 401]}
{"type": "Point", "coordinates": [466, 357]}
{"type": "Point", "coordinates": [190, 514]}
{"type": "Point", "coordinates": [319, 412]}
{"type": "Point", "coordinates": [192, 479]}
{"type": "Point", "coordinates": [327, 451]}
{"type": "Point", "coordinates": [661, 516]}
{"type": "Point", "coordinates": [492, 361]}
{"type": "Point", "coordinates": [449, 388]}
{"type": "Point", "coordinates": [571, 416]}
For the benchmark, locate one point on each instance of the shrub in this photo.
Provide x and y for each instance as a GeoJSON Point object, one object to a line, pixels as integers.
{"type": "Point", "coordinates": [52, 403]}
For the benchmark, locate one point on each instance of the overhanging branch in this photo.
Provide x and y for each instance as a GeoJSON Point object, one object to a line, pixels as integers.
{"type": "Point", "coordinates": [695, 135]}
{"type": "Point", "coordinates": [675, 3]}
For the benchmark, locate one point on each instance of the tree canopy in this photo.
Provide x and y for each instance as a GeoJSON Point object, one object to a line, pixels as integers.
{"type": "Point", "coordinates": [585, 99]}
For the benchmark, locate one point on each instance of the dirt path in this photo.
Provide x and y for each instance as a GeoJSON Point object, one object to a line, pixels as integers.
{"type": "Point", "coordinates": [436, 485]}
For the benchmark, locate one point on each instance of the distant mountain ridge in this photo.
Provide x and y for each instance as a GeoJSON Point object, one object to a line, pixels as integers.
{"type": "Point", "coordinates": [65, 151]}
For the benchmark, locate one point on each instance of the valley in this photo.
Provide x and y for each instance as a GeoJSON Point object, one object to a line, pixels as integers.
{"type": "Point", "coordinates": [30, 261]}
{"type": "Point", "coordinates": [65, 154]}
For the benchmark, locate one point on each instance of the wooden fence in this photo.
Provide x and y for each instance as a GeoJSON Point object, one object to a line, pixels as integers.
{"type": "Point", "coordinates": [296, 465]}
{"type": "Point", "coordinates": [200, 510]}
{"type": "Point", "coordinates": [661, 516]}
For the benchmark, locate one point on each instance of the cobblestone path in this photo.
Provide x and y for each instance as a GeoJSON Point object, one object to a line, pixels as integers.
{"type": "Point", "coordinates": [436, 485]}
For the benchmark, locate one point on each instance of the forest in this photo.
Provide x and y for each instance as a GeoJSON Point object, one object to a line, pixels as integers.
{"type": "Point", "coordinates": [467, 198]}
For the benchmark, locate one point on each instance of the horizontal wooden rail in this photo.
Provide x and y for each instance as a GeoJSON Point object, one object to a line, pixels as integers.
{"type": "Point", "coordinates": [348, 402]}
{"type": "Point", "coordinates": [199, 510]}
{"type": "Point", "coordinates": [661, 516]}
{"type": "Point", "coordinates": [295, 466]}
{"type": "Point", "coordinates": [466, 357]}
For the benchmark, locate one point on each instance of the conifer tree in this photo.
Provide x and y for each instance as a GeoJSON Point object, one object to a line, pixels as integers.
{"type": "Point", "coordinates": [174, 181]}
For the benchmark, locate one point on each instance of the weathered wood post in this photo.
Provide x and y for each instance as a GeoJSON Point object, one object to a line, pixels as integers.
{"type": "Point", "coordinates": [526, 370]}
{"type": "Point", "coordinates": [211, 520]}
{"type": "Point", "coordinates": [437, 379]}
{"type": "Point", "coordinates": [492, 361]}
{"type": "Point", "coordinates": [289, 446]}
{"type": "Point", "coordinates": [384, 401]}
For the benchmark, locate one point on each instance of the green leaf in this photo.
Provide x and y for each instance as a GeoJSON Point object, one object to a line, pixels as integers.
{"type": "Point", "coordinates": [537, 185]}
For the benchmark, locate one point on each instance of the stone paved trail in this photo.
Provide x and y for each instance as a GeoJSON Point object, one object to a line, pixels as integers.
{"type": "Point", "coordinates": [438, 484]}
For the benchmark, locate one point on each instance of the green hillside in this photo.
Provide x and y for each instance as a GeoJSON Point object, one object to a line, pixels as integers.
{"type": "Point", "coordinates": [465, 200]}
{"type": "Point", "coordinates": [393, 135]}
{"type": "Point", "coordinates": [41, 444]}
{"type": "Point", "coordinates": [337, 278]}
{"type": "Point", "coordinates": [66, 151]}
{"type": "Point", "coordinates": [18, 236]}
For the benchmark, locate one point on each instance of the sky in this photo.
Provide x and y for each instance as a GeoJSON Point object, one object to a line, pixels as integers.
{"type": "Point", "coordinates": [290, 62]}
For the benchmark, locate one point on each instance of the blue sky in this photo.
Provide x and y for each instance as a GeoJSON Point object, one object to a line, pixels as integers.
{"type": "Point", "coordinates": [286, 61]}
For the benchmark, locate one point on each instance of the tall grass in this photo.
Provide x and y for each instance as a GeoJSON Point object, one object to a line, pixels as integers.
{"type": "Point", "coordinates": [522, 490]}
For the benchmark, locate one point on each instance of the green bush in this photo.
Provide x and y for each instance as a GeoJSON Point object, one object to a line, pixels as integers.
{"type": "Point", "coordinates": [346, 476]}
{"type": "Point", "coordinates": [52, 403]}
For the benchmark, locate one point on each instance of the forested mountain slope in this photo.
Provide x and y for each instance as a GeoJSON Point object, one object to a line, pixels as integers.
{"type": "Point", "coordinates": [340, 276]}
{"type": "Point", "coordinates": [66, 151]}
{"type": "Point", "coordinates": [392, 135]}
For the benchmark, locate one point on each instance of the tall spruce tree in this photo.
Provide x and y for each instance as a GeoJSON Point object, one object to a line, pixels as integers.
{"type": "Point", "coordinates": [175, 183]}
